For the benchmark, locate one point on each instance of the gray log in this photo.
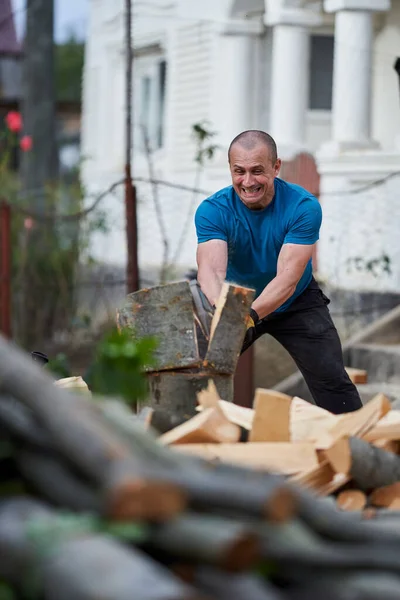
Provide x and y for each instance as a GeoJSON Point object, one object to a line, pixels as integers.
{"type": "Point", "coordinates": [76, 563]}
{"type": "Point", "coordinates": [85, 440]}
{"type": "Point", "coordinates": [372, 467]}
{"type": "Point", "coordinates": [20, 423]}
{"type": "Point", "coordinates": [234, 587]}
{"type": "Point", "coordinates": [54, 480]}
{"type": "Point", "coordinates": [228, 543]}
{"type": "Point", "coordinates": [176, 392]}
{"type": "Point", "coordinates": [357, 586]}
{"type": "Point", "coordinates": [165, 312]}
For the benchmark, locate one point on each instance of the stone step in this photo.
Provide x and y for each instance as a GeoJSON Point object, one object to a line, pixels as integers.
{"type": "Point", "coordinates": [382, 361]}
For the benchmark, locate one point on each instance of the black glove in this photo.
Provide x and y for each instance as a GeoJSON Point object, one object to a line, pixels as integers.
{"type": "Point", "coordinates": [250, 336]}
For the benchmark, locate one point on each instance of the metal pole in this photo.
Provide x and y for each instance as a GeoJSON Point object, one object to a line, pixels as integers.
{"type": "Point", "coordinates": [5, 269]}
{"type": "Point", "coordinates": [132, 267]}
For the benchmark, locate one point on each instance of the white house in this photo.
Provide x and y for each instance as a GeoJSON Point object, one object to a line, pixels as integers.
{"type": "Point", "coordinates": [318, 75]}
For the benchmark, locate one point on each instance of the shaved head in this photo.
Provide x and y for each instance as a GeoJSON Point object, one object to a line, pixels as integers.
{"type": "Point", "coordinates": [252, 138]}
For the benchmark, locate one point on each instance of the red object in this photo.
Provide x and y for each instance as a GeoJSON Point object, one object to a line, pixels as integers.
{"type": "Point", "coordinates": [26, 143]}
{"type": "Point", "coordinates": [14, 121]}
{"type": "Point", "coordinates": [5, 269]}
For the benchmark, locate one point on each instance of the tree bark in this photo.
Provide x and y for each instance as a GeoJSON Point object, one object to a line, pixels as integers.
{"type": "Point", "coordinates": [40, 166]}
{"type": "Point", "coordinates": [165, 312]}
{"type": "Point", "coordinates": [176, 392]}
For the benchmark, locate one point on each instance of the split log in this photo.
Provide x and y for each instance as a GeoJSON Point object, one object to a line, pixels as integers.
{"type": "Point", "coordinates": [357, 376]}
{"type": "Point", "coordinates": [176, 392]}
{"type": "Point", "coordinates": [209, 426]}
{"type": "Point", "coordinates": [279, 457]}
{"type": "Point", "coordinates": [165, 312]}
{"type": "Point", "coordinates": [315, 479]}
{"type": "Point", "coordinates": [351, 500]}
{"type": "Point", "coordinates": [239, 415]}
{"type": "Point", "coordinates": [229, 544]}
{"type": "Point", "coordinates": [307, 421]}
{"type": "Point", "coordinates": [76, 563]}
{"type": "Point", "coordinates": [388, 428]}
{"type": "Point", "coordinates": [78, 434]}
{"type": "Point", "coordinates": [228, 328]}
{"type": "Point", "coordinates": [271, 417]}
{"type": "Point", "coordinates": [356, 423]}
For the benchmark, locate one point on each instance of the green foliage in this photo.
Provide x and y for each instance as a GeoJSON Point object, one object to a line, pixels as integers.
{"type": "Point", "coordinates": [203, 134]}
{"type": "Point", "coordinates": [59, 366]}
{"type": "Point", "coordinates": [6, 592]}
{"type": "Point", "coordinates": [119, 365]}
{"type": "Point", "coordinates": [69, 59]}
{"type": "Point", "coordinates": [48, 533]}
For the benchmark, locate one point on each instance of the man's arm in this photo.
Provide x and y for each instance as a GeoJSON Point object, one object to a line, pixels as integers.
{"type": "Point", "coordinates": [212, 260]}
{"type": "Point", "coordinates": [292, 261]}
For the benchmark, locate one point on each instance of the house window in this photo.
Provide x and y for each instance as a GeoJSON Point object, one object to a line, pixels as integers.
{"type": "Point", "coordinates": [321, 72]}
{"type": "Point", "coordinates": [151, 73]}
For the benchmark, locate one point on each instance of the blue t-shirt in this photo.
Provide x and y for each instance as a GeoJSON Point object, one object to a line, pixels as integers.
{"type": "Point", "coordinates": [255, 238]}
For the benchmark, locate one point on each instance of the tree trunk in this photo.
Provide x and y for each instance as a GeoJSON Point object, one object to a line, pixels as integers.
{"type": "Point", "coordinates": [40, 166]}
{"type": "Point", "coordinates": [176, 392]}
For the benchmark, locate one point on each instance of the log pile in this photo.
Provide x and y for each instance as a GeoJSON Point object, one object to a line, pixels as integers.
{"type": "Point", "coordinates": [354, 458]}
{"type": "Point", "coordinates": [94, 505]}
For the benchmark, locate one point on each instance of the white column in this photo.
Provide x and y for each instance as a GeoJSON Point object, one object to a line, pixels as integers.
{"type": "Point", "coordinates": [290, 73]}
{"type": "Point", "coordinates": [352, 78]}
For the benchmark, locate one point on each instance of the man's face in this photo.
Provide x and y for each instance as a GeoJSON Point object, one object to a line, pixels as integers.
{"type": "Point", "coordinates": [253, 174]}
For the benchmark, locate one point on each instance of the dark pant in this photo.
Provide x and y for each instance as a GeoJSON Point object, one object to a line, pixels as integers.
{"type": "Point", "coordinates": [307, 332]}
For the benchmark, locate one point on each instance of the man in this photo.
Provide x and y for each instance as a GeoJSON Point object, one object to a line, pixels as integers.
{"type": "Point", "coordinates": [260, 233]}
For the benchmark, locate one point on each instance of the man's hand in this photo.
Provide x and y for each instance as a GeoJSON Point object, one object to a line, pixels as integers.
{"type": "Point", "coordinates": [250, 335]}
{"type": "Point", "coordinates": [252, 319]}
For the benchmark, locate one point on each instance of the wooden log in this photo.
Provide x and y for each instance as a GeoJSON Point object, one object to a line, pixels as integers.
{"type": "Point", "coordinates": [20, 423]}
{"type": "Point", "coordinates": [356, 423]}
{"type": "Point", "coordinates": [176, 392]}
{"type": "Point", "coordinates": [357, 376]}
{"type": "Point", "coordinates": [239, 415]}
{"type": "Point", "coordinates": [279, 457]}
{"type": "Point", "coordinates": [216, 488]}
{"type": "Point", "coordinates": [307, 421]}
{"type": "Point", "coordinates": [271, 417]}
{"type": "Point", "coordinates": [315, 479]}
{"type": "Point", "coordinates": [359, 585]}
{"type": "Point", "coordinates": [85, 440]}
{"type": "Point", "coordinates": [209, 426]}
{"type": "Point", "coordinates": [209, 539]}
{"type": "Point", "coordinates": [387, 428]}
{"type": "Point", "coordinates": [324, 517]}
{"type": "Point", "coordinates": [165, 312]}
{"type": "Point", "coordinates": [372, 467]}
{"type": "Point", "coordinates": [228, 328]}
{"type": "Point", "coordinates": [76, 563]}
{"type": "Point", "coordinates": [228, 586]}
{"type": "Point", "coordinates": [53, 479]}
{"type": "Point", "coordinates": [385, 496]}
{"type": "Point", "coordinates": [351, 500]}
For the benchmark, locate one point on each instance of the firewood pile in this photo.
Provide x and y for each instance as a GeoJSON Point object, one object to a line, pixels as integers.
{"type": "Point", "coordinates": [93, 505]}
{"type": "Point", "coordinates": [232, 503]}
